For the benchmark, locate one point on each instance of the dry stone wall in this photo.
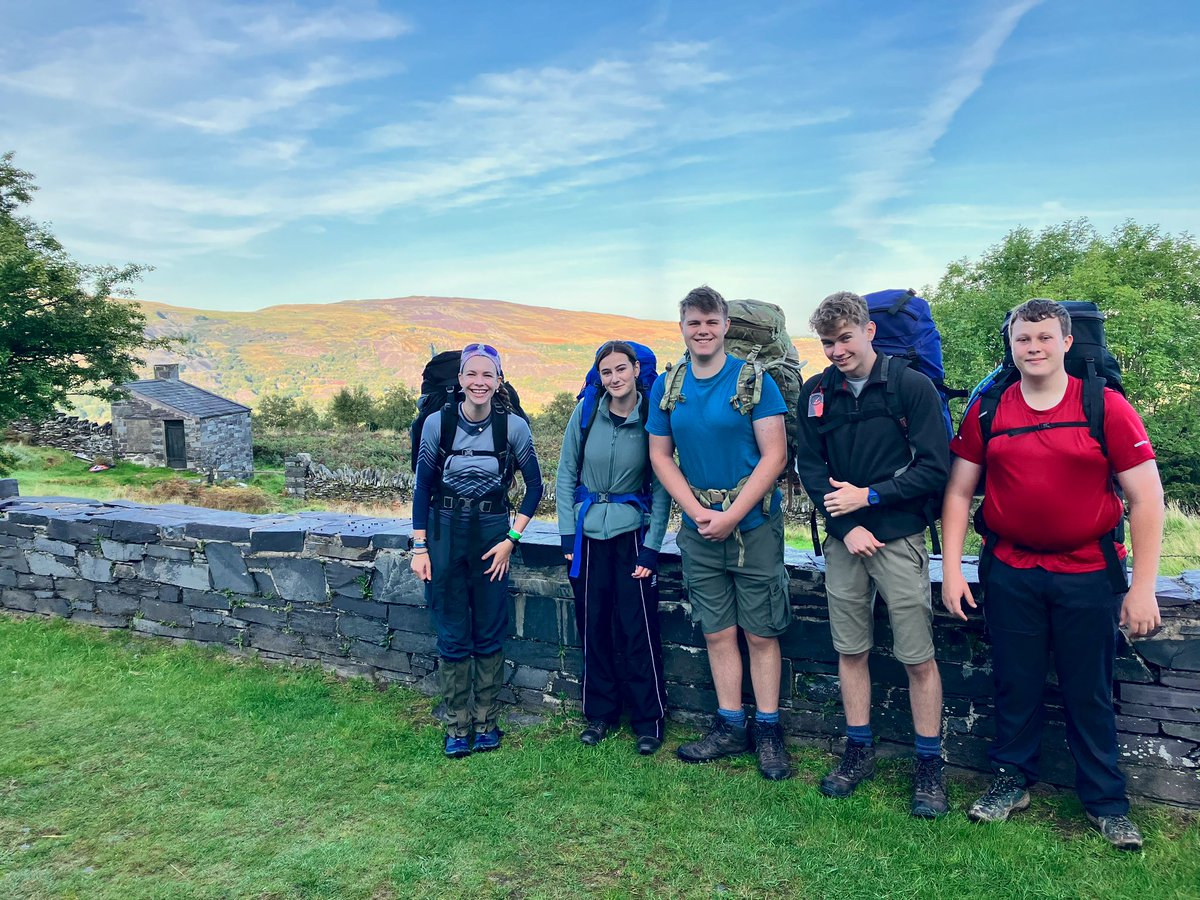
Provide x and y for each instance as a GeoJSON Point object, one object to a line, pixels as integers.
{"type": "Point", "coordinates": [70, 433]}
{"type": "Point", "coordinates": [336, 590]}
{"type": "Point", "coordinates": [305, 478]}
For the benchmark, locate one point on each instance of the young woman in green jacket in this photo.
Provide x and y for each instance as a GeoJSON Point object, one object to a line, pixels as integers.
{"type": "Point", "coordinates": [612, 516]}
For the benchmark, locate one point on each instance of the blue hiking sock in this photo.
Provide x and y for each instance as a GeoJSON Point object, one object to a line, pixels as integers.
{"type": "Point", "coordinates": [860, 734]}
{"type": "Point", "coordinates": [929, 747]}
{"type": "Point", "coordinates": [767, 718]}
{"type": "Point", "coordinates": [735, 717]}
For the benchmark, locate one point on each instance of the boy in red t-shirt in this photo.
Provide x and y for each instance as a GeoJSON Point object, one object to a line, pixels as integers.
{"type": "Point", "coordinates": [1049, 505]}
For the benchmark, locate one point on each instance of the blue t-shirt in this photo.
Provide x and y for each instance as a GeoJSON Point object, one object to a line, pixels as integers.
{"type": "Point", "coordinates": [716, 443]}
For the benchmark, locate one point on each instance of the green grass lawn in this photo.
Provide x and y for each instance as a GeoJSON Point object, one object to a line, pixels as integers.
{"type": "Point", "coordinates": [131, 768]}
{"type": "Point", "coordinates": [42, 472]}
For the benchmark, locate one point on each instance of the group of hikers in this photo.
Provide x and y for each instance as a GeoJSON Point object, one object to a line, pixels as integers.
{"type": "Point", "coordinates": [869, 444]}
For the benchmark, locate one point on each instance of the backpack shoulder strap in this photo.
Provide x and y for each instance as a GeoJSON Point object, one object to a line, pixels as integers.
{"type": "Point", "coordinates": [989, 402]}
{"type": "Point", "coordinates": [673, 388]}
{"type": "Point", "coordinates": [448, 425]}
{"type": "Point", "coordinates": [500, 441]}
{"type": "Point", "coordinates": [749, 387]}
{"type": "Point", "coordinates": [1093, 405]}
{"type": "Point", "coordinates": [892, 373]}
{"type": "Point", "coordinates": [585, 429]}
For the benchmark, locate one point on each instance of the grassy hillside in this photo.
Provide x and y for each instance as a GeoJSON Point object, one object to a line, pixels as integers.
{"type": "Point", "coordinates": [313, 350]}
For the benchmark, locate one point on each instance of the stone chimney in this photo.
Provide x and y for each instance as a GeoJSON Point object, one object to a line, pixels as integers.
{"type": "Point", "coordinates": [167, 372]}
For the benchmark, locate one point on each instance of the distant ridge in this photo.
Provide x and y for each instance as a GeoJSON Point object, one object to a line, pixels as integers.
{"type": "Point", "coordinates": [312, 350]}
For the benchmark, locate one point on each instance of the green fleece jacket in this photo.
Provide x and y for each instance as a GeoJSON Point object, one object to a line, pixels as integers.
{"type": "Point", "coordinates": [615, 461]}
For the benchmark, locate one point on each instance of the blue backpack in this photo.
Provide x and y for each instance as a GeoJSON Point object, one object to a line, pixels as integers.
{"type": "Point", "coordinates": [592, 389]}
{"type": "Point", "coordinates": [904, 327]}
{"type": "Point", "coordinates": [590, 396]}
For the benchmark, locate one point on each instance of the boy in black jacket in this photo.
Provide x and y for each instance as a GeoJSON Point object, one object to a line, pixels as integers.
{"type": "Point", "coordinates": [873, 456]}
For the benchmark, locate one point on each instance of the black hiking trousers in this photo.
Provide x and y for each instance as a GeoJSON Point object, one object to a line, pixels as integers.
{"type": "Point", "coordinates": [470, 611]}
{"type": "Point", "coordinates": [617, 617]}
{"type": "Point", "coordinates": [1030, 614]}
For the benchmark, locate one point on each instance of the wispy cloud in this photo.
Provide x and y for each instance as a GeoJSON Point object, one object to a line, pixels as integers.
{"type": "Point", "coordinates": [213, 67]}
{"type": "Point", "coordinates": [889, 158]}
{"type": "Point", "coordinates": [566, 128]}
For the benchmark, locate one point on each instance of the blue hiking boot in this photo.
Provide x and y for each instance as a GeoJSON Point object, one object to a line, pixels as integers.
{"type": "Point", "coordinates": [488, 740]}
{"type": "Point", "coordinates": [457, 747]}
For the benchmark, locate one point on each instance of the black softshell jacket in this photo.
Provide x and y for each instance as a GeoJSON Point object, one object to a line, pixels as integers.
{"type": "Point", "coordinates": [909, 473]}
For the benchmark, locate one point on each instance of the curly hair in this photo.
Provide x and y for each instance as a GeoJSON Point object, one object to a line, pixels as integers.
{"type": "Point", "coordinates": [836, 310]}
{"type": "Point", "coordinates": [1038, 310]}
{"type": "Point", "coordinates": [705, 300]}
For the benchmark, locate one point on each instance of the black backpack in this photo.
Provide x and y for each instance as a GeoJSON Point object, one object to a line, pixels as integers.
{"type": "Point", "coordinates": [440, 391]}
{"type": "Point", "coordinates": [1089, 360]}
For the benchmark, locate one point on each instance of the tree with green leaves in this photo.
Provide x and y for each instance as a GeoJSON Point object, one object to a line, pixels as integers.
{"type": "Point", "coordinates": [279, 411]}
{"type": "Point", "coordinates": [548, 427]}
{"type": "Point", "coordinates": [350, 408]}
{"type": "Point", "coordinates": [61, 330]}
{"type": "Point", "coordinates": [1147, 283]}
{"type": "Point", "coordinates": [396, 409]}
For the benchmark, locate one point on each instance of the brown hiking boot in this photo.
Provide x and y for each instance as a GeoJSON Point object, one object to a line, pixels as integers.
{"type": "Point", "coordinates": [773, 760]}
{"type": "Point", "coordinates": [929, 788]}
{"type": "Point", "coordinates": [857, 764]}
{"type": "Point", "coordinates": [722, 739]}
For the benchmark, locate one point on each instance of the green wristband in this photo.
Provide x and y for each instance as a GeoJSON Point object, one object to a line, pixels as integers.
{"type": "Point", "coordinates": [514, 535]}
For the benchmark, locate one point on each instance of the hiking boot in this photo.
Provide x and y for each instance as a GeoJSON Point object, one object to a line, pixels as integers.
{"type": "Point", "coordinates": [1006, 796]}
{"type": "Point", "coordinates": [488, 740]}
{"type": "Point", "coordinates": [594, 733]}
{"type": "Point", "coordinates": [722, 739]}
{"type": "Point", "coordinates": [929, 788]}
{"type": "Point", "coordinates": [456, 747]}
{"type": "Point", "coordinates": [773, 761]}
{"type": "Point", "coordinates": [857, 764]}
{"type": "Point", "coordinates": [648, 745]}
{"type": "Point", "coordinates": [1118, 831]}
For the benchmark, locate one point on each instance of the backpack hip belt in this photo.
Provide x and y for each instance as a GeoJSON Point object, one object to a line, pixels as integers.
{"type": "Point", "coordinates": [717, 498]}
{"type": "Point", "coordinates": [482, 504]}
{"type": "Point", "coordinates": [587, 499]}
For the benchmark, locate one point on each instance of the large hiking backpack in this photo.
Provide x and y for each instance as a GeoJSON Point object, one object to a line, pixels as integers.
{"type": "Point", "coordinates": [589, 397]}
{"type": "Point", "coordinates": [757, 334]}
{"type": "Point", "coordinates": [1089, 360]}
{"type": "Point", "coordinates": [440, 389]}
{"type": "Point", "coordinates": [904, 327]}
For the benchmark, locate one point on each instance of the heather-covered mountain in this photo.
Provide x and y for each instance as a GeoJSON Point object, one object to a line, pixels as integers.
{"type": "Point", "coordinates": [313, 350]}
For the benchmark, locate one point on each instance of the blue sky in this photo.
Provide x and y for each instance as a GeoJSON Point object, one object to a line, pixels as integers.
{"type": "Point", "coordinates": [603, 156]}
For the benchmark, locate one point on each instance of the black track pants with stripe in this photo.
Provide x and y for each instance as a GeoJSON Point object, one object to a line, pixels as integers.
{"type": "Point", "coordinates": [617, 617]}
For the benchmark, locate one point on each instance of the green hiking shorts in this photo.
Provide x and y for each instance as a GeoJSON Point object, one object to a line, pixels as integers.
{"type": "Point", "coordinates": [753, 596]}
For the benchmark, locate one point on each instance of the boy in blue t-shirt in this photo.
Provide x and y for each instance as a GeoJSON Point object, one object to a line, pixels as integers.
{"type": "Point", "coordinates": [732, 536]}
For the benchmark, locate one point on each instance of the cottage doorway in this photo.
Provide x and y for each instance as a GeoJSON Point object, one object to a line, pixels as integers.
{"type": "Point", "coordinates": [176, 449]}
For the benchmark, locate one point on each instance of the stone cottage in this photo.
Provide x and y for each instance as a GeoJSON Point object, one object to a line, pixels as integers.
{"type": "Point", "coordinates": [168, 422]}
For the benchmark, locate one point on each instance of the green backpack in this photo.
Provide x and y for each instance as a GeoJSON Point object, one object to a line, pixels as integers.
{"type": "Point", "coordinates": [757, 334]}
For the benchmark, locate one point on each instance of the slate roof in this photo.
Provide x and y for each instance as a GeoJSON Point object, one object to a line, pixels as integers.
{"type": "Point", "coordinates": [185, 398]}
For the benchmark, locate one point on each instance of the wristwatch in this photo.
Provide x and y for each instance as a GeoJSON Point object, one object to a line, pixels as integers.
{"type": "Point", "coordinates": [872, 497]}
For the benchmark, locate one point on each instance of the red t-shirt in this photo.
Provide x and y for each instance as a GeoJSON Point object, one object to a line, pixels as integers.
{"type": "Point", "coordinates": [1049, 494]}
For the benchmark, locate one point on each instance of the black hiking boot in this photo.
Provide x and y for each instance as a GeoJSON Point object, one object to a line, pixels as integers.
{"type": "Point", "coordinates": [722, 739]}
{"type": "Point", "coordinates": [773, 760]}
{"type": "Point", "coordinates": [1006, 796]}
{"type": "Point", "coordinates": [648, 744]}
{"type": "Point", "coordinates": [857, 764]}
{"type": "Point", "coordinates": [594, 733]}
{"type": "Point", "coordinates": [929, 788]}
